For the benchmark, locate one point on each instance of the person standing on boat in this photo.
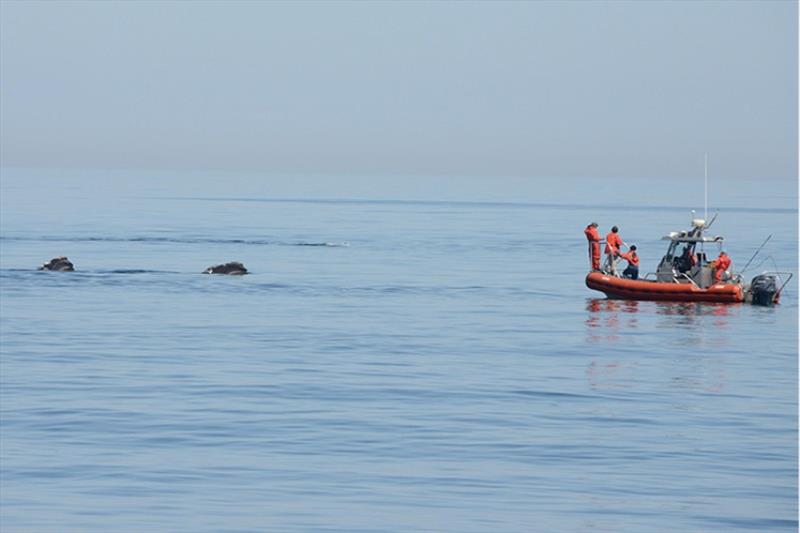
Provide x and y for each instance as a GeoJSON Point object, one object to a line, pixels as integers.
{"type": "Point", "coordinates": [613, 244]}
{"type": "Point", "coordinates": [721, 265]}
{"type": "Point", "coordinates": [687, 259]}
{"type": "Point", "coordinates": [593, 236]}
{"type": "Point", "coordinates": [632, 271]}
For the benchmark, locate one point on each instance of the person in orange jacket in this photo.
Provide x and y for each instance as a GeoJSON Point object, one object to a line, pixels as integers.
{"type": "Point", "coordinates": [613, 244]}
{"type": "Point", "coordinates": [722, 264]}
{"type": "Point", "coordinates": [593, 236]}
{"type": "Point", "coordinates": [632, 271]}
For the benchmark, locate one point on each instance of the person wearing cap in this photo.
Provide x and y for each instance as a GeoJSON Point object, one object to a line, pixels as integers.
{"type": "Point", "coordinates": [613, 244]}
{"type": "Point", "coordinates": [593, 236]}
{"type": "Point", "coordinates": [632, 271]}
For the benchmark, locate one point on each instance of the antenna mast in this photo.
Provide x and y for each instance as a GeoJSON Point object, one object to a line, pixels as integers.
{"type": "Point", "coordinates": [705, 192]}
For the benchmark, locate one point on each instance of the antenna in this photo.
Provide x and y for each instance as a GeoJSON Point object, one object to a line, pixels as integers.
{"type": "Point", "coordinates": [705, 192]}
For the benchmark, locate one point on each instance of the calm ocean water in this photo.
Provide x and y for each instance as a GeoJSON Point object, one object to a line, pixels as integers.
{"type": "Point", "coordinates": [389, 365]}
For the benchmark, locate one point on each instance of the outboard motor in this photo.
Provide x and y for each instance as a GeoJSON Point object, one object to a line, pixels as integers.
{"type": "Point", "coordinates": [763, 289]}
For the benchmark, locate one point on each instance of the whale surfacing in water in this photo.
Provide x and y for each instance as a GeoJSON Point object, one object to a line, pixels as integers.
{"type": "Point", "coordinates": [234, 268]}
{"type": "Point", "coordinates": [58, 264]}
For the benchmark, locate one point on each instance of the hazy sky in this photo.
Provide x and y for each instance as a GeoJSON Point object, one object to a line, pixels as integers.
{"type": "Point", "coordinates": [539, 89]}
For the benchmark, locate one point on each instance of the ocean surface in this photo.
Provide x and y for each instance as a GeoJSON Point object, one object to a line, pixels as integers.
{"type": "Point", "coordinates": [413, 357]}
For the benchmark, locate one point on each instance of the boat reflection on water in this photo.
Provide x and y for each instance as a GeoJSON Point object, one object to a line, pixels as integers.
{"type": "Point", "coordinates": [605, 321]}
{"type": "Point", "coordinates": [604, 318]}
{"type": "Point", "coordinates": [692, 309]}
{"type": "Point", "coordinates": [608, 318]}
{"type": "Point", "coordinates": [693, 334]}
{"type": "Point", "coordinates": [694, 314]}
{"type": "Point", "coordinates": [603, 304]}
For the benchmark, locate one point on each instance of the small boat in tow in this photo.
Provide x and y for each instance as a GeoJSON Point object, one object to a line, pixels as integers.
{"type": "Point", "coordinates": [685, 275]}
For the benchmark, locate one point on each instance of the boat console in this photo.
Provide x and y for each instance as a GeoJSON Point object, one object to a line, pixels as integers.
{"type": "Point", "coordinates": [686, 260]}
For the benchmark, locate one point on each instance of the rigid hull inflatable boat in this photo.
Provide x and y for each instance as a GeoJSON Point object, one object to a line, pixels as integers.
{"type": "Point", "coordinates": [685, 275]}
{"type": "Point", "coordinates": [628, 289]}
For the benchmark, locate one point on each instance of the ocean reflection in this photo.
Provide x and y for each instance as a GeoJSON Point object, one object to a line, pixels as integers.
{"type": "Point", "coordinates": [611, 374]}
{"type": "Point", "coordinates": [701, 373]}
{"type": "Point", "coordinates": [697, 331]}
{"type": "Point", "coordinates": [682, 314]}
{"type": "Point", "coordinates": [607, 317]}
{"type": "Point", "coordinates": [693, 308]}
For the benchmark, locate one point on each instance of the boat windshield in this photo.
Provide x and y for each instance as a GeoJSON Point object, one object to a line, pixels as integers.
{"type": "Point", "coordinates": [681, 255]}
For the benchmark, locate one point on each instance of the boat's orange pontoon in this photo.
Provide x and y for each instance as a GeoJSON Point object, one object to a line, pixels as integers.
{"type": "Point", "coordinates": [628, 289]}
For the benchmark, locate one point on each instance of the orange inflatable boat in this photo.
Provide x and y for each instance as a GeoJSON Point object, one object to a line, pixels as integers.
{"type": "Point", "coordinates": [628, 289]}
{"type": "Point", "coordinates": [685, 275]}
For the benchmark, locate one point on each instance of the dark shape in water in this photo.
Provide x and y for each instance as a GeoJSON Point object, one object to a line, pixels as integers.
{"type": "Point", "coordinates": [58, 264]}
{"type": "Point", "coordinates": [234, 268]}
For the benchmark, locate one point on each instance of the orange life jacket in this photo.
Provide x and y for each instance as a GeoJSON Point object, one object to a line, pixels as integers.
{"type": "Point", "coordinates": [631, 258]}
{"type": "Point", "coordinates": [613, 242]}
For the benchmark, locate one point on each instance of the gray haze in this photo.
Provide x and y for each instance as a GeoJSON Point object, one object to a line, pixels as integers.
{"type": "Point", "coordinates": [625, 89]}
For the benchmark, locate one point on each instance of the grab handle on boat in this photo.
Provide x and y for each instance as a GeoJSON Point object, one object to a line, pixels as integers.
{"type": "Point", "coordinates": [684, 275]}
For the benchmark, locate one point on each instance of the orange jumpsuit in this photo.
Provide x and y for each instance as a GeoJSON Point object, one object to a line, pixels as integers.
{"type": "Point", "coordinates": [613, 242]}
{"type": "Point", "coordinates": [722, 264]}
{"type": "Point", "coordinates": [594, 245]}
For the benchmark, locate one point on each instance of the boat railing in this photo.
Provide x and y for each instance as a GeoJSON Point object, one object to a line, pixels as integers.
{"type": "Point", "coordinates": [790, 275]}
{"type": "Point", "coordinates": [780, 275]}
{"type": "Point", "coordinates": [676, 278]}
{"type": "Point", "coordinates": [683, 275]}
